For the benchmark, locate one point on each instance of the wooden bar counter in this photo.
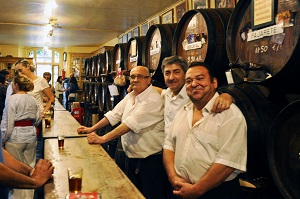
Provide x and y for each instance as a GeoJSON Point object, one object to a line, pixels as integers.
{"type": "Point", "coordinates": [100, 172]}
{"type": "Point", "coordinates": [62, 123]}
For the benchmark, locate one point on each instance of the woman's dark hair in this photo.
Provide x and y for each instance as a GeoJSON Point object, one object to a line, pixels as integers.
{"type": "Point", "coordinates": [58, 78]}
{"type": "Point", "coordinates": [2, 78]}
{"type": "Point", "coordinates": [24, 83]}
{"type": "Point", "coordinates": [73, 80]}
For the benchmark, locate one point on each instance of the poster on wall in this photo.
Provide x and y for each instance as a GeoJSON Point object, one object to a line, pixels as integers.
{"type": "Point", "coordinates": [167, 17]}
{"type": "Point", "coordinates": [200, 4]}
{"type": "Point", "coordinates": [225, 3]}
{"type": "Point", "coordinates": [180, 11]}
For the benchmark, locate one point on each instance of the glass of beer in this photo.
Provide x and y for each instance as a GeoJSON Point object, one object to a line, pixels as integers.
{"type": "Point", "coordinates": [61, 140]}
{"type": "Point", "coordinates": [48, 119]}
{"type": "Point", "coordinates": [75, 179]}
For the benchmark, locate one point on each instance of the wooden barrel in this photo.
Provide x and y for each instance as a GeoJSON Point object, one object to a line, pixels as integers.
{"type": "Point", "coordinates": [106, 62]}
{"type": "Point", "coordinates": [118, 57]}
{"type": "Point", "coordinates": [87, 67]}
{"type": "Point", "coordinates": [90, 69]}
{"type": "Point", "coordinates": [92, 92]}
{"type": "Point", "coordinates": [86, 97]}
{"type": "Point", "coordinates": [284, 151]}
{"type": "Point", "coordinates": [201, 36]}
{"type": "Point", "coordinates": [259, 113]}
{"type": "Point", "coordinates": [102, 92]}
{"type": "Point", "coordinates": [268, 59]}
{"type": "Point", "coordinates": [158, 45]}
{"type": "Point", "coordinates": [96, 93]}
{"type": "Point", "coordinates": [101, 64]}
{"type": "Point", "coordinates": [134, 52]}
{"type": "Point", "coordinates": [95, 68]}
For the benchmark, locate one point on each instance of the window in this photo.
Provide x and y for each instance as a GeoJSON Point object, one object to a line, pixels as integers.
{"type": "Point", "coordinates": [46, 61]}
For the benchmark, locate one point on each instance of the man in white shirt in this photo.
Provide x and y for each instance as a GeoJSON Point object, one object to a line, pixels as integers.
{"type": "Point", "coordinates": [175, 97]}
{"type": "Point", "coordinates": [141, 131]}
{"type": "Point", "coordinates": [205, 151]}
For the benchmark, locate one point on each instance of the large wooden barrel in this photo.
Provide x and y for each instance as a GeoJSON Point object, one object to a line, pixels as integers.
{"type": "Point", "coordinates": [101, 63]}
{"type": "Point", "coordinates": [89, 72]}
{"type": "Point", "coordinates": [259, 113]}
{"type": "Point", "coordinates": [106, 62]}
{"type": "Point", "coordinates": [269, 56]}
{"type": "Point", "coordinates": [102, 92]}
{"type": "Point", "coordinates": [134, 52]}
{"type": "Point", "coordinates": [118, 57]}
{"type": "Point", "coordinates": [158, 45]}
{"type": "Point", "coordinates": [94, 65]}
{"type": "Point", "coordinates": [284, 151]}
{"type": "Point", "coordinates": [86, 96]}
{"type": "Point", "coordinates": [86, 67]}
{"type": "Point", "coordinates": [92, 92]}
{"type": "Point", "coordinates": [201, 36]}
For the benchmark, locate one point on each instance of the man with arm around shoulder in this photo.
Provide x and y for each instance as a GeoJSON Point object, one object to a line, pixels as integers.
{"type": "Point", "coordinates": [205, 151]}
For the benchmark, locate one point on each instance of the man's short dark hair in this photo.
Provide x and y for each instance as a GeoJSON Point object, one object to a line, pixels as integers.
{"type": "Point", "coordinates": [175, 60]}
{"type": "Point", "coordinates": [205, 65]}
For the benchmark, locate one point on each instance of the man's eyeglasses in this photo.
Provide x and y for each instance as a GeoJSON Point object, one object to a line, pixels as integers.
{"type": "Point", "coordinates": [132, 77]}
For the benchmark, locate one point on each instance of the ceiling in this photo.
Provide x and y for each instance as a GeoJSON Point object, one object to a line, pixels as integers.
{"type": "Point", "coordinates": [81, 23]}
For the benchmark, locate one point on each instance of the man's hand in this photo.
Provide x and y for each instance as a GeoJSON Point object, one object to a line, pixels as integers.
{"type": "Point", "coordinates": [185, 191]}
{"type": "Point", "coordinates": [42, 172]}
{"type": "Point", "coordinates": [83, 129]}
{"type": "Point", "coordinates": [222, 103]}
{"type": "Point", "coordinates": [176, 179]}
{"type": "Point", "coordinates": [93, 138]}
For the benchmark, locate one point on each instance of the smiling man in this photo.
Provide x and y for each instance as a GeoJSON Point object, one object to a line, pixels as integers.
{"type": "Point", "coordinates": [141, 131]}
{"type": "Point", "coordinates": [205, 151]}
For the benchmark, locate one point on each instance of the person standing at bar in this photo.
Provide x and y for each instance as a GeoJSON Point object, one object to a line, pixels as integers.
{"type": "Point", "coordinates": [59, 89]}
{"type": "Point", "coordinates": [205, 151]}
{"type": "Point", "coordinates": [41, 86]}
{"type": "Point", "coordinates": [142, 134]}
{"type": "Point", "coordinates": [21, 117]}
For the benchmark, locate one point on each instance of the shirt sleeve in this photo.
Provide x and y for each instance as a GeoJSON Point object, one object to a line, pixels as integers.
{"type": "Point", "coordinates": [8, 120]}
{"type": "Point", "coordinates": [149, 112]}
{"type": "Point", "coordinates": [233, 143]}
{"type": "Point", "coordinates": [114, 116]}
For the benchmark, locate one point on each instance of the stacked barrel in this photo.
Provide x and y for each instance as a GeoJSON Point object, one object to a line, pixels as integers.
{"type": "Point", "coordinates": [261, 73]}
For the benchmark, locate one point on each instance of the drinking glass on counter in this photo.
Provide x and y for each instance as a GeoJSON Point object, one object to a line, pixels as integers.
{"type": "Point", "coordinates": [61, 140]}
{"type": "Point", "coordinates": [75, 179]}
{"type": "Point", "coordinates": [48, 119]}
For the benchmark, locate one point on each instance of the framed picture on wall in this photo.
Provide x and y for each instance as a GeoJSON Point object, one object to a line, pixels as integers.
{"type": "Point", "coordinates": [180, 10]}
{"type": "Point", "coordinates": [200, 4]}
{"type": "Point", "coordinates": [167, 17]}
{"type": "Point", "coordinates": [144, 29]}
{"type": "Point", "coordinates": [153, 21]}
{"type": "Point", "coordinates": [136, 32]}
{"type": "Point", "coordinates": [225, 3]}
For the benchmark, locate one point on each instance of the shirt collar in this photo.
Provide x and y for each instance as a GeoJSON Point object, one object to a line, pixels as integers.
{"type": "Point", "coordinates": [207, 108]}
{"type": "Point", "coordinates": [181, 94]}
{"type": "Point", "coordinates": [143, 95]}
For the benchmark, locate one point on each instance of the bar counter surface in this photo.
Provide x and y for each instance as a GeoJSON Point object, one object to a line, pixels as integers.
{"type": "Point", "coordinates": [100, 172]}
{"type": "Point", "coordinates": [62, 123]}
{"type": "Point", "coordinates": [58, 106]}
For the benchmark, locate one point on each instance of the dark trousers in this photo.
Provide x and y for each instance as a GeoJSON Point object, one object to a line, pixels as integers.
{"type": "Point", "coordinates": [148, 175]}
{"type": "Point", "coordinates": [226, 190]}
